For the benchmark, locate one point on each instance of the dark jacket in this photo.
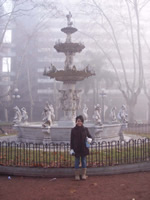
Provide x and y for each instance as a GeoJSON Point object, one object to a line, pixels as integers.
{"type": "Point", "coordinates": [78, 140]}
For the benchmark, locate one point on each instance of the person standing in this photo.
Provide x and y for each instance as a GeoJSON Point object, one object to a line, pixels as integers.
{"type": "Point", "coordinates": [79, 136]}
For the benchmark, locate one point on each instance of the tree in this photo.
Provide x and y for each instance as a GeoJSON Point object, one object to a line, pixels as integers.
{"type": "Point", "coordinates": [20, 14]}
{"type": "Point", "coordinates": [121, 24]}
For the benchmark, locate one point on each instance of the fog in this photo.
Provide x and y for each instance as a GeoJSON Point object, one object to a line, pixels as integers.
{"type": "Point", "coordinates": [117, 48]}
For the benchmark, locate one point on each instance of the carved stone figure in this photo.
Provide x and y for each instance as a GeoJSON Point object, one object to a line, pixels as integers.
{"type": "Point", "coordinates": [122, 115]}
{"type": "Point", "coordinates": [85, 114]}
{"type": "Point", "coordinates": [69, 19]}
{"type": "Point", "coordinates": [76, 99]}
{"type": "Point", "coordinates": [113, 117]}
{"type": "Point", "coordinates": [24, 115]}
{"type": "Point", "coordinates": [63, 98]}
{"type": "Point", "coordinates": [52, 112]}
{"type": "Point", "coordinates": [97, 115]}
{"type": "Point", "coordinates": [68, 61]}
{"type": "Point", "coordinates": [48, 114]}
{"type": "Point", "coordinates": [18, 116]}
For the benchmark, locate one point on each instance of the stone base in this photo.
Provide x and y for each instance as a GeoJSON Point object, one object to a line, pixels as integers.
{"type": "Point", "coordinates": [35, 133]}
{"type": "Point", "coordinates": [47, 135]}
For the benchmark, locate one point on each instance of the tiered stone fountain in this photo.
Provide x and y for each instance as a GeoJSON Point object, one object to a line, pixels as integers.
{"type": "Point", "coordinates": [69, 75]}
{"type": "Point", "coordinates": [69, 100]}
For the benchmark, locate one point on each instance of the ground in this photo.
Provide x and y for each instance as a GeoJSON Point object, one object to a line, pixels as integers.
{"type": "Point", "coordinates": [135, 186]}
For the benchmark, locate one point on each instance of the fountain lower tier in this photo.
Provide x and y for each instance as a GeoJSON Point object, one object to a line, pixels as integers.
{"type": "Point", "coordinates": [35, 133]}
{"type": "Point", "coordinates": [69, 75]}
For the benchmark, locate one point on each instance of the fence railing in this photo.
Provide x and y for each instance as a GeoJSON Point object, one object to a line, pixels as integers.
{"type": "Point", "coordinates": [138, 128]}
{"type": "Point", "coordinates": [58, 155]}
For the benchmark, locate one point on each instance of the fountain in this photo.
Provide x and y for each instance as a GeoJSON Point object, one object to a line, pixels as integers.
{"type": "Point", "coordinates": [69, 75]}
{"type": "Point", "coordinates": [59, 131]}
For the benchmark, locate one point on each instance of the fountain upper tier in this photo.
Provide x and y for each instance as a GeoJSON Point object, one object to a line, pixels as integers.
{"type": "Point", "coordinates": [69, 30]}
{"type": "Point", "coordinates": [69, 47]}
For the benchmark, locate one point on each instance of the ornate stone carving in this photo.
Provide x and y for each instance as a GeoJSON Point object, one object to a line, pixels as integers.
{"type": "Point", "coordinates": [122, 115]}
{"type": "Point", "coordinates": [69, 101]}
{"type": "Point", "coordinates": [18, 116]}
{"type": "Point", "coordinates": [69, 16]}
{"type": "Point", "coordinates": [48, 114]}
{"type": "Point", "coordinates": [85, 112]}
{"type": "Point", "coordinates": [97, 115]}
{"type": "Point", "coordinates": [113, 117]}
{"type": "Point", "coordinates": [24, 115]}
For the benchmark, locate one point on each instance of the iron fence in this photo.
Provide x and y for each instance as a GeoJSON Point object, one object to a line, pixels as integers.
{"type": "Point", "coordinates": [58, 155]}
{"type": "Point", "coordinates": [140, 128]}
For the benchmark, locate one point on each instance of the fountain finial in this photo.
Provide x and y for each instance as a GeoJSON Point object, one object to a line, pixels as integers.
{"type": "Point", "coordinates": [69, 22]}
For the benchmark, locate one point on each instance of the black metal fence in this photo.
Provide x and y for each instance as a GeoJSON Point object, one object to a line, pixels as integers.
{"type": "Point", "coordinates": [58, 155]}
{"type": "Point", "coordinates": [138, 128]}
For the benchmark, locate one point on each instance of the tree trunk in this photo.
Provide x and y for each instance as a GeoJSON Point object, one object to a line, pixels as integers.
{"type": "Point", "coordinates": [148, 120]}
{"type": "Point", "coordinates": [131, 117]}
{"type": "Point", "coordinates": [6, 114]}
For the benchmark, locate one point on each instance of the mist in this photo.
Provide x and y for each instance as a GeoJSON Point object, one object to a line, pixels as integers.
{"type": "Point", "coordinates": [117, 49]}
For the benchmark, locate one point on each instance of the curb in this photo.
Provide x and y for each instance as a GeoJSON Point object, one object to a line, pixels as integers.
{"type": "Point", "coordinates": [69, 172]}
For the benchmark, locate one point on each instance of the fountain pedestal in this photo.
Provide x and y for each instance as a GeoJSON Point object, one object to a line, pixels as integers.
{"type": "Point", "coordinates": [47, 135]}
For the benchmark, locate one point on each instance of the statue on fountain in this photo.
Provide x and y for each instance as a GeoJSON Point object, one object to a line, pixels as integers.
{"type": "Point", "coordinates": [69, 23]}
{"type": "Point", "coordinates": [18, 116]}
{"type": "Point", "coordinates": [85, 112]}
{"type": "Point", "coordinates": [24, 115]}
{"type": "Point", "coordinates": [49, 115]}
{"type": "Point", "coordinates": [97, 115]}
{"type": "Point", "coordinates": [113, 117]}
{"type": "Point", "coordinates": [122, 115]}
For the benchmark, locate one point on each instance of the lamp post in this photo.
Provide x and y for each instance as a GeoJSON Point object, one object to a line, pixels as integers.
{"type": "Point", "coordinates": [103, 95]}
{"type": "Point", "coordinates": [16, 94]}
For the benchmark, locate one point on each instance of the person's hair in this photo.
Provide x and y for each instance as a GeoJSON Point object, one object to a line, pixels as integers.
{"type": "Point", "coordinates": [80, 117]}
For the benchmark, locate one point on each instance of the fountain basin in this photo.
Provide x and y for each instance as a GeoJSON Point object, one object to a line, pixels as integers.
{"type": "Point", "coordinates": [35, 133]}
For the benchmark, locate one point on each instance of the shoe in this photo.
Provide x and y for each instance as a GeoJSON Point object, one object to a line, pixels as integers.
{"type": "Point", "coordinates": [84, 177]}
{"type": "Point", "coordinates": [77, 174]}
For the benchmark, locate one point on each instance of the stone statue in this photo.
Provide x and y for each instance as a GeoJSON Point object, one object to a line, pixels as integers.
{"type": "Point", "coordinates": [24, 115]}
{"type": "Point", "coordinates": [68, 61]}
{"type": "Point", "coordinates": [113, 117]}
{"type": "Point", "coordinates": [53, 68]}
{"type": "Point", "coordinates": [97, 115]}
{"type": "Point", "coordinates": [69, 23]}
{"type": "Point", "coordinates": [18, 116]}
{"type": "Point", "coordinates": [122, 115]}
{"type": "Point", "coordinates": [74, 68]}
{"type": "Point", "coordinates": [85, 114]}
{"type": "Point", "coordinates": [87, 69]}
{"type": "Point", "coordinates": [48, 114]}
{"type": "Point", "coordinates": [76, 99]}
{"type": "Point", "coordinates": [63, 98]}
{"type": "Point", "coordinates": [52, 112]}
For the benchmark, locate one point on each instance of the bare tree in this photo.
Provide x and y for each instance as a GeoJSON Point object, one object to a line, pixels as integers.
{"type": "Point", "coordinates": [30, 10]}
{"type": "Point", "coordinates": [121, 23]}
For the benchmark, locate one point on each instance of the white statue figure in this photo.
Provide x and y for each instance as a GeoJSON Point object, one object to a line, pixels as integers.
{"type": "Point", "coordinates": [113, 117]}
{"type": "Point", "coordinates": [24, 115]}
{"type": "Point", "coordinates": [69, 23]}
{"type": "Point", "coordinates": [18, 116]}
{"type": "Point", "coordinates": [85, 114]}
{"type": "Point", "coordinates": [52, 112]}
{"type": "Point", "coordinates": [97, 115]}
{"type": "Point", "coordinates": [122, 115]}
{"type": "Point", "coordinates": [68, 61]}
{"type": "Point", "coordinates": [53, 68]}
{"type": "Point", "coordinates": [76, 99]}
{"type": "Point", "coordinates": [87, 69]}
{"type": "Point", "coordinates": [47, 113]}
